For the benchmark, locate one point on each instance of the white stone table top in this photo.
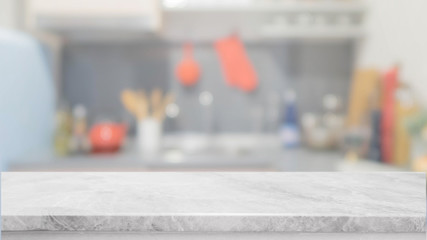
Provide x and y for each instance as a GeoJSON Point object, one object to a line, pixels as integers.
{"type": "Point", "coordinates": [214, 202]}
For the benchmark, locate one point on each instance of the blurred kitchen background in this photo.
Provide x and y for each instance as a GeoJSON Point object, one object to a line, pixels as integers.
{"type": "Point", "coordinates": [213, 85]}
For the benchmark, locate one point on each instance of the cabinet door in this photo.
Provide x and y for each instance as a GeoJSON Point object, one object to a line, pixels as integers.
{"type": "Point", "coordinates": [95, 9]}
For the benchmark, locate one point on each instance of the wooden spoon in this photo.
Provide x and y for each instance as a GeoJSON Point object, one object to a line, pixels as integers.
{"type": "Point", "coordinates": [168, 99]}
{"type": "Point", "coordinates": [156, 101]}
{"type": "Point", "coordinates": [142, 105]}
{"type": "Point", "coordinates": [130, 102]}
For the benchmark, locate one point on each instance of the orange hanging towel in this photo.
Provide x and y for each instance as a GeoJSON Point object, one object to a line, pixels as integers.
{"type": "Point", "coordinates": [236, 65]}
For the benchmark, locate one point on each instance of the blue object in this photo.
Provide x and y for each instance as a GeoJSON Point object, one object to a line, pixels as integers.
{"type": "Point", "coordinates": [289, 131]}
{"type": "Point", "coordinates": [374, 151]}
{"type": "Point", "coordinates": [27, 101]}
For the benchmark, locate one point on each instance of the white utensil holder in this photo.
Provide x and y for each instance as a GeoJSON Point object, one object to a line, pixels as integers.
{"type": "Point", "coordinates": [149, 134]}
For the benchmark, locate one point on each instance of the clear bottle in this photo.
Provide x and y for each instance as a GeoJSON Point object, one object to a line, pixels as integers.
{"type": "Point", "coordinates": [79, 142]}
{"type": "Point", "coordinates": [62, 130]}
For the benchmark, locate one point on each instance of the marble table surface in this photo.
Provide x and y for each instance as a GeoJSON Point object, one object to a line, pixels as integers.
{"type": "Point", "coordinates": [214, 202]}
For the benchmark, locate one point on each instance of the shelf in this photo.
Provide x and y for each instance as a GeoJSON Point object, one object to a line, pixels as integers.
{"type": "Point", "coordinates": [291, 6]}
{"type": "Point", "coordinates": [312, 34]}
{"type": "Point", "coordinates": [290, 19]}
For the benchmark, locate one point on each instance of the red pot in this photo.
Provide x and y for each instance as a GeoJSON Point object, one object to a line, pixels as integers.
{"type": "Point", "coordinates": [107, 137]}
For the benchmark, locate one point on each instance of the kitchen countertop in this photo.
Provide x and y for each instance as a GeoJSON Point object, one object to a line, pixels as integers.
{"type": "Point", "coordinates": [214, 202]}
{"type": "Point", "coordinates": [291, 160]}
{"type": "Point", "coordinates": [220, 152]}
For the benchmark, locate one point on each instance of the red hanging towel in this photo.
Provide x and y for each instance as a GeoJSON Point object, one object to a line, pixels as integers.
{"type": "Point", "coordinates": [224, 48]}
{"type": "Point", "coordinates": [390, 83]}
{"type": "Point", "coordinates": [246, 75]}
{"type": "Point", "coordinates": [235, 63]}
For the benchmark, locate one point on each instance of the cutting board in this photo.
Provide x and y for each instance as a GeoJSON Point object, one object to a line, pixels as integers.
{"type": "Point", "coordinates": [404, 108]}
{"type": "Point", "coordinates": [390, 84]}
{"type": "Point", "coordinates": [365, 84]}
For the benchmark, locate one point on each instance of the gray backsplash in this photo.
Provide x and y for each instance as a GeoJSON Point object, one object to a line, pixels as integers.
{"type": "Point", "coordinates": [95, 73]}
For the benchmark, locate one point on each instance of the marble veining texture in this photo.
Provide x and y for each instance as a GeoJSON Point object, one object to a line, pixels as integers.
{"type": "Point", "coordinates": [214, 202]}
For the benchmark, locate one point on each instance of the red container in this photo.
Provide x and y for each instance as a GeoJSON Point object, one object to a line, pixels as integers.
{"type": "Point", "coordinates": [107, 137]}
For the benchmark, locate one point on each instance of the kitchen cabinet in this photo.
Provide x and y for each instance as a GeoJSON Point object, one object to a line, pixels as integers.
{"type": "Point", "coordinates": [264, 20]}
{"type": "Point", "coordinates": [213, 206]}
{"type": "Point", "coordinates": [95, 15]}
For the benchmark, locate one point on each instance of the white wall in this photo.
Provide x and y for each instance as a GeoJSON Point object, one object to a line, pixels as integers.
{"type": "Point", "coordinates": [397, 33]}
{"type": "Point", "coordinates": [8, 13]}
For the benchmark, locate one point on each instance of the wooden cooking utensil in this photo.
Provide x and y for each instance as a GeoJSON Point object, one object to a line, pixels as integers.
{"type": "Point", "coordinates": [168, 99]}
{"type": "Point", "coordinates": [142, 105]}
{"type": "Point", "coordinates": [156, 100]}
{"type": "Point", "coordinates": [129, 100]}
{"type": "Point", "coordinates": [139, 105]}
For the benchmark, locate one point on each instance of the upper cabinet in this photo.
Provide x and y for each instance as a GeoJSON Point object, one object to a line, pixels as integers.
{"type": "Point", "coordinates": [198, 20]}
{"type": "Point", "coordinates": [263, 19]}
{"type": "Point", "coordinates": [68, 16]}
